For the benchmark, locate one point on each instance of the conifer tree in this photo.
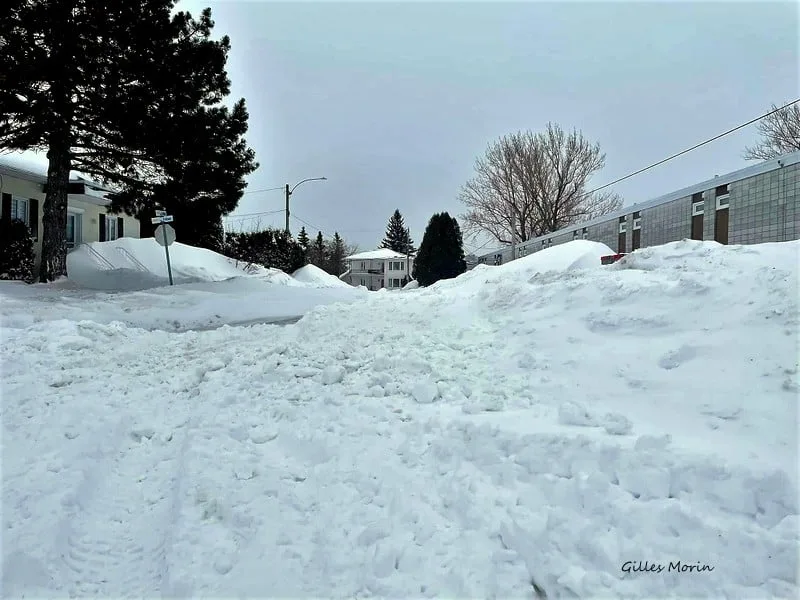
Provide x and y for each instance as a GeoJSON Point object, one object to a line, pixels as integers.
{"type": "Point", "coordinates": [318, 255]}
{"type": "Point", "coordinates": [336, 254]}
{"type": "Point", "coordinates": [397, 235]}
{"type": "Point", "coordinates": [441, 253]}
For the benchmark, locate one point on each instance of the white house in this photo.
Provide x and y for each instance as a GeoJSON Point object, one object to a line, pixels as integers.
{"type": "Point", "coordinates": [376, 269]}
{"type": "Point", "coordinates": [22, 191]}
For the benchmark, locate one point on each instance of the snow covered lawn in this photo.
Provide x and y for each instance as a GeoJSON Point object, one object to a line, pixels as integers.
{"type": "Point", "coordinates": [572, 431]}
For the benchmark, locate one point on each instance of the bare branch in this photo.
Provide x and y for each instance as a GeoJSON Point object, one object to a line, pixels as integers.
{"type": "Point", "coordinates": [533, 184]}
{"type": "Point", "coordinates": [780, 132]}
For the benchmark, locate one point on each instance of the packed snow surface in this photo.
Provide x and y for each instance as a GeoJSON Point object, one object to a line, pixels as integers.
{"type": "Point", "coordinates": [315, 276]}
{"type": "Point", "coordinates": [549, 427]}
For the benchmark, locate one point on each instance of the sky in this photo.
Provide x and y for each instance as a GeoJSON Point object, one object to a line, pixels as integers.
{"type": "Point", "coordinates": [393, 102]}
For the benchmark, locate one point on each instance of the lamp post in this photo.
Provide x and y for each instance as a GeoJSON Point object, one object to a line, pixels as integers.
{"type": "Point", "coordinates": [289, 193]}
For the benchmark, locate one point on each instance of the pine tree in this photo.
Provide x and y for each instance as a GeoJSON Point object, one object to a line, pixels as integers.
{"type": "Point", "coordinates": [78, 82]}
{"type": "Point", "coordinates": [441, 253]}
{"type": "Point", "coordinates": [336, 254]}
{"type": "Point", "coordinates": [397, 235]}
{"type": "Point", "coordinates": [304, 242]}
{"type": "Point", "coordinates": [318, 255]}
{"type": "Point", "coordinates": [128, 93]}
{"type": "Point", "coordinates": [198, 142]}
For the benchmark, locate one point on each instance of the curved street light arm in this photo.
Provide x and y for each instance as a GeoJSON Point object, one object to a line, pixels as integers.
{"type": "Point", "coordinates": [304, 180]}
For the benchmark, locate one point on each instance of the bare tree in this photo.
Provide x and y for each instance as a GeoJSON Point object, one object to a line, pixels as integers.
{"type": "Point", "coordinates": [780, 134]}
{"type": "Point", "coordinates": [533, 184]}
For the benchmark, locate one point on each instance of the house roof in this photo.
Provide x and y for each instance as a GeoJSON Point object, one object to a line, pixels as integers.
{"type": "Point", "coordinates": [380, 253]}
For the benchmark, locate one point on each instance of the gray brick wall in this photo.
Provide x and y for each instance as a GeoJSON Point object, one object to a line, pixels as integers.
{"type": "Point", "coordinates": [765, 208]}
{"type": "Point", "coordinates": [667, 223]}
{"type": "Point", "coordinates": [605, 233]}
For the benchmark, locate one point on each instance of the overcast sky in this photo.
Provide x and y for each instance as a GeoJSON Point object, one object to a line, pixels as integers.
{"type": "Point", "coordinates": [392, 102]}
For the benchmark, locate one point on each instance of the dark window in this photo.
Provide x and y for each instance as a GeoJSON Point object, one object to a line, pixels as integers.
{"type": "Point", "coordinates": [722, 190]}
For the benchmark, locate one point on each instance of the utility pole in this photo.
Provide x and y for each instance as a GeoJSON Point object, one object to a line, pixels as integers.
{"type": "Point", "coordinates": [288, 193]}
{"type": "Point", "coordinates": [408, 253]}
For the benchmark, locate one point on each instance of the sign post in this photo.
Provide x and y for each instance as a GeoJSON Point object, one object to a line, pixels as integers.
{"type": "Point", "coordinates": [165, 235]}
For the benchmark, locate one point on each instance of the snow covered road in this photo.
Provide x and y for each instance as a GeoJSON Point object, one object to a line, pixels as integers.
{"type": "Point", "coordinates": [550, 432]}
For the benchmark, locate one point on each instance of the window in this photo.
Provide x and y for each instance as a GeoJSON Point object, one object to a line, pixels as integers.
{"type": "Point", "coordinates": [623, 224]}
{"type": "Point", "coordinates": [722, 190]}
{"type": "Point", "coordinates": [391, 266]}
{"type": "Point", "coordinates": [697, 208]}
{"type": "Point", "coordinates": [637, 223]}
{"type": "Point", "coordinates": [363, 281]}
{"type": "Point", "coordinates": [381, 282]}
{"type": "Point", "coordinates": [111, 228]}
{"type": "Point", "coordinates": [698, 197]}
{"type": "Point", "coordinates": [363, 267]}
{"type": "Point", "coordinates": [585, 233]}
{"type": "Point", "coordinates": [396, 283]}
{"type": "Point", "coordinates": [723, 202]}
{"type": "Point", "coordinates": [74, 229]}
{"type": "Point", "coordinates": [575, 235]}
{"type": "Point", "coordinates": [19, 209]}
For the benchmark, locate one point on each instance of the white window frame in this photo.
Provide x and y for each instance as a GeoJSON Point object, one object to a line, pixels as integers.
{"type": "Point", "coordinates": [698, 208]}
{"type": "Point", "coordinates": [396, 282]}
{"type": "Point", "coordinates": [27, 202]}
{"type": "Point", "coordinates": [623, 226]}
{"type": "Point", "coordinates": [585, 234]}
{"type": "Point", "coordinates": [723, 201]}
{"type": "Point", "coordinates": [77, 213]}
{"type": "Point", "coordinates": [637, 223]}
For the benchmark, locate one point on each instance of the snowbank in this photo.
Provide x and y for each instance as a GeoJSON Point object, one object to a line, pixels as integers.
{"type": "Point", "coordinates": [131, 263]}
{"type": "Point", "coordinates": [583, 431]}
{"type": "Point", "coordinates": [316, 277]}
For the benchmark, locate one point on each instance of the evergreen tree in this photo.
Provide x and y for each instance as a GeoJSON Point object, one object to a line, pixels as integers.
{"type": "Point", "coordinates": [78, 82]}
{"type": "Point", "coordinates": [441, 253]}
{"type": "Point", "coordinates": [336, 254]}
{"type": "Point", "coordinates": [126, 92]}
{"type": "Point", "coordinates": [318, 254]}
{"type": "Point", "coordinates": [16, 250]}
{"type": "Point", "coordinates": [272, 248]}
{"type": "Point", "coordinates": [304, 242]}
{"type": "Point", "coordinates": [397, 235]}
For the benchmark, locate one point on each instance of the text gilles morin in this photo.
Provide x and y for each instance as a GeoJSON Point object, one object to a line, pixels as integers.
{"type": "Point", "coordinates": [638, 566]}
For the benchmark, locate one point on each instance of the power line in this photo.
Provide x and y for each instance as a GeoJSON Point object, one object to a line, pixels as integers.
{"type": "Point", "coordinates": [258, 214]}
{"type": "Point", "coordinates": [676, 155]}
{"type": "Point", "coordinates": [309, 224]}
{"type": "Point", "coordinates": [708, 141]}
{"type": "Point", "coordinates": [265, 190]}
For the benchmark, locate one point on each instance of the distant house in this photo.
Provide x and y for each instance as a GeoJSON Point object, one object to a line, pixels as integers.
{"type": "Point", "coordinates": [376, 269]}
{"type": "Point", "coordinates": [22, 190]}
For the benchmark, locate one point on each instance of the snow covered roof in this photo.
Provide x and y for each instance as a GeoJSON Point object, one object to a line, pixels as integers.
{"type": "Point", "coordinates": [384, 253]}
{"type": "Point", "coordinates": [33, 167]}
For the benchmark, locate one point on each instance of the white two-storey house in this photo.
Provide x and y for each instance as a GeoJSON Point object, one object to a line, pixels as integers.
{"type": "Point", "coordinates": [376, 269]}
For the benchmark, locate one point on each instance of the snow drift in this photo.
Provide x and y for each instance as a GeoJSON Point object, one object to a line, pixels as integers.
{"type": "Point", "coordinates": [547, 427]}
{"type": "Point", "coordinates": [315, 276]}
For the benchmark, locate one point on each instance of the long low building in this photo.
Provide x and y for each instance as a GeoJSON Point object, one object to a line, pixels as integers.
{"type": "Point", "coordinates": [751, 206]}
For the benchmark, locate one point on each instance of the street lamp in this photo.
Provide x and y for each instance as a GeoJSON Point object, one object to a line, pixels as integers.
{"type": "Point", "coordinates": [289, 192]}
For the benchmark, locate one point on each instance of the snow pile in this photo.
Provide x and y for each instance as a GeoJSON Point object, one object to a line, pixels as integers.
{"type": "Point", "coordinates": [628, 430]}
{"type": "Point", "coordinates": [131, 263]}
{"type": "Point", "coordinates": [316, 277]}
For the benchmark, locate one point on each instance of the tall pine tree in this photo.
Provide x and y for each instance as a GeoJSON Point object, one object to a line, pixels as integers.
{"type": "Point", "coordinates": [78, 81]}
{"type": "Point", "coordinates": [397, 235]}
{"type": "Point", "coordinates": [199, 143]}
{"type": "Point", "coordinates": [336, 254]}
{"type": "Point", "coordinates": [441, 253]}
{"type": "Point", "coordinates": [305, 242]}
{"type": "Point", "coordinates": [318, 253]}
{"type": "Point", "coordinates": [118, 90]}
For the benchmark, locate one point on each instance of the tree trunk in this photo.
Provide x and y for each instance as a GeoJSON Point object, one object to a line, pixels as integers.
{"type": "Point", "coordinates": [54, 215]}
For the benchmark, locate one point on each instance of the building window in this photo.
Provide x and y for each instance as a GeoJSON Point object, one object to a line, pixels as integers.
{"type": "Point", "coordinates": [396, 283]}
{"type": "Point", "coordinates": [575, 235]}
{"type": "Point", "coordinates": [637, 222]}
{"type": "Point", "coordinates": [697, 208]}
{"type": "Point", "coordinates": [363, 267]}
{"type": "Point", "coordinates": [19, 209]}
{"type": "Point", "coordinates": [721, 190]}
{"type": "Point", "coordinates": [723, 202]}
{"type": "Point", "coordinates": [698, 197]}
{"type": "Point", "coordinates": [74, 230]}
{"type": "Point", "coordinates": [585, 233]}
{"type": "Point", "coordinates": [381, 282]}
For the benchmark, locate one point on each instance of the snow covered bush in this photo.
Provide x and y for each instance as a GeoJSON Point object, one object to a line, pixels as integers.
{"type": "Point", "coordinates": [16, 251]}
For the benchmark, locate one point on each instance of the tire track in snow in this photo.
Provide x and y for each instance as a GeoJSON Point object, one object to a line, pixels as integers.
{"type": "Point", "coordinates": [116, 539]}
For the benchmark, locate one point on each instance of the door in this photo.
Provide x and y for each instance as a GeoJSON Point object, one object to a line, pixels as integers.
{"type": "Point", "coordinates": [621, 244]}
{"type": "Point", "coordinates": [721, 226]}
{"type": "Point", "coordinates": [637, 239]}
{"type": "Point", "coordinates": [697, 227]}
